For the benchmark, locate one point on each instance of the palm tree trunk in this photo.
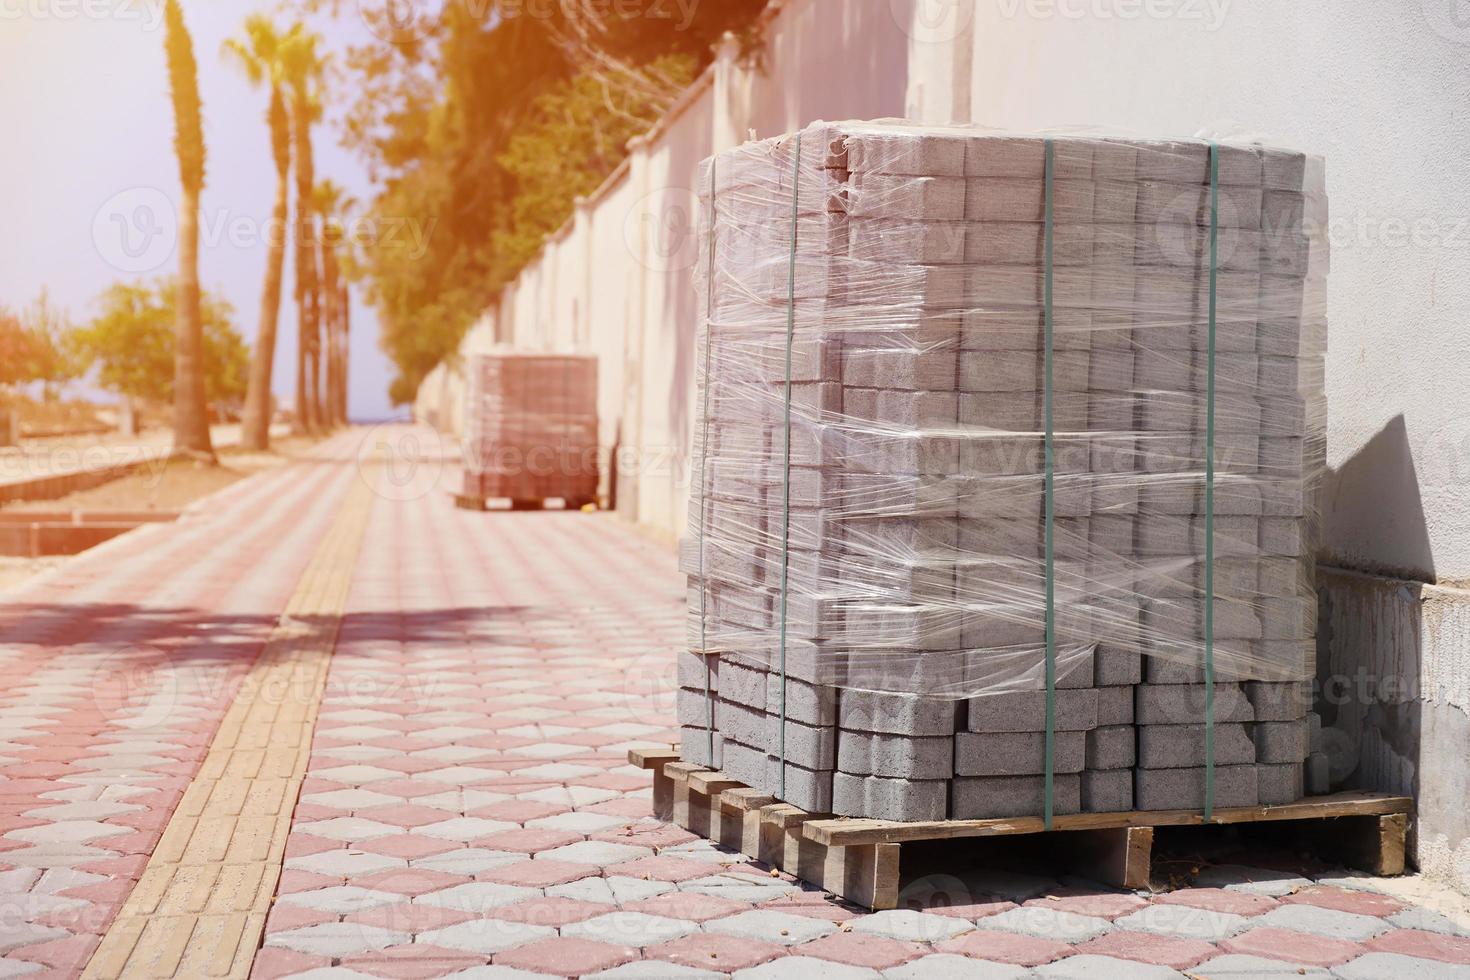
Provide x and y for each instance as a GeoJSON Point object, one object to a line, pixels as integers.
{"type": "Point", "coordinates": [345, 309]}
{"type": "Point", "coordinates": [256, 427]}
{"type": "Point", "coordinates": [191, 413]}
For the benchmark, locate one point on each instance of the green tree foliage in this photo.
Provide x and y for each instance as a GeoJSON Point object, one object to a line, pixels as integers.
{"type": "Point", "coordinates": [484, 131]}
{"type": "Point", "coordinates": [131, 343]}
{"type": "Point", "coordinates": [33, 345]}
{"type": "Point", "coordinates": [15, 350]}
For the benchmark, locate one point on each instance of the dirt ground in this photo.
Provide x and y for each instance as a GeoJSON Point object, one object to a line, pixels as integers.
{"type": "Point", "coordinates": [174, 485]}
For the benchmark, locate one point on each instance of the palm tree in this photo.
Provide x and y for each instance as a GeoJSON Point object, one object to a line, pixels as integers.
{"type": "Point", "coordinates": [191, 414]}
{"type": "Point", "coordinates": [332, 205]}
{"type": "Point", "coordinates": [259, 54]}
{"type": "Point", "coordinates": [303, 71]}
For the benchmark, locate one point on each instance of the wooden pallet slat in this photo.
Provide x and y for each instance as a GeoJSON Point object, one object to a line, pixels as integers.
{"type": "Point", "coordinates": [857, 830]}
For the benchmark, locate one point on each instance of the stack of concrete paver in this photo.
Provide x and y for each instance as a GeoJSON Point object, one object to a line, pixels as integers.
{"type": "Point", "coordinates": [531, 427]}
{"type": "Point", "coordinates": [867, 544]}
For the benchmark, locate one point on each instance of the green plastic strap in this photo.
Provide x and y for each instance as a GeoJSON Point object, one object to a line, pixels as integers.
{"type": "Point", "coordinates": [786, 448]}
{"type": "Point", "coordinates": [1210, 493]}
{"type": "Point", "coordinates": [1051, 590]}
{"type": "Point", "coordinates": [709, 312]}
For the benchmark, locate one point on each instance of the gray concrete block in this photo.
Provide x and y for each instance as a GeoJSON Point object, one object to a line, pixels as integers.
{"type": "Point", "coordinates": [1115, 667]}
{"type": "Point", "coordinates": [1114, 706]}
{"type": "Point", "coordinates": [1184, 704]}
{"type": "Point", "coordinates": [1279, 784]}
{"type": "Point", "coordinates": [690, 670]}
{"type": "Point", "coordinates": [1281, 742]}
{"type": "Point", "coordinates": [906, 197]}
{"type": "Point", "coordinates": [1025, 711]}
{"type": "Point", "coordinates": [896, 714]}
{"type": "Point", "coordinates": [998, 371]}
{"type": "Point", "coordinates": [1107, 791]}
{"type": "Point", "coordinates": [695, 746]}
{"type": "Point", "coordinates": [1178, 618]}
{"type": "Point", "coordinates": [1292, 618]}
{"type": "Point", "coordinates": [810, 704]}
{"type": "Point", "coordinates": [1014, 199]}
{"type": "Point", "coordinates": [692, 707]}
{"type": "Point", "coordinates": [1017, 753]}
{"type": "Point", "coordinates": [901, 243]}
{"type": "Point", "coordinates": [990, 797]}
{"type": "Point", "coordinates": [1314, 733]}
{"type": "Point", "coordinates": [1281, 536]}
{"type": "Point", "coordinates": [889, 799]}
{"type": "Point", "coordinates": [903, 371]}
{"type": "Point", "coordinates": [1184, 789]}
{"type": "Point", "coordinates": [808, 746]}
{"type": "Point", "coordinates": [895, 756]}
{"type": "Point", "coordinates": [1279, 702]}
{"type": "Point", "coordinates": [910, 153]}
{"type": "Point", "coordinates": [1182, 746]}
{"type": "Point", "coordinates": [743, 684]}
{"type": "Point", "coordinates": [746, 763]}
{"type": "Point", "coordinates": [1113, 747]}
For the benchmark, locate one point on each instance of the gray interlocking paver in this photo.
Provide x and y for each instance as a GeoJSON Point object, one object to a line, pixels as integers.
{"type": "Point", "coordinates": [349, 829]}
{"type": "Point", "coordinates": [1383, 966]}
{"type": "Point", "coordinates": [655, 970]}
{"type": "Point", "coordinates": [948, 966]}
{"type": "Point", "coordinates": [805, 968]}
{"type": "Point", "coordinates": [1048, 923]}
{"type": "Point", "coordinates": [1089, 967]}
{"type": "Point", "coordinates": [612, 890]}
{"type": "Point", "coordinates": [341, 898]}
{"type": "Point", "coordinates": [1259, 881]}
{"type": "Point", "coordinates": [337, 939]}
{"type": "Point", "coordinates": [467, 860]}
{"type": "Point", "coordinates": [477, 896]}
{"type": "Point", "coordinates": [599, 853]}
{"type": "Point", "coordinates": [630, 928]}
{"type": "Point", "coordinates": [1234, 966]}
{"type": "Point", "coordinates": [1324, 922]}
{"type": "Point", "coordinates": [1184, 922]}
{"type": "Point", "coordinates": [487, 936]}
{"type": "Point", "coordinates": [1418, 917]}
{"type": "Point", "coordinates": [911, 925]}
{"type": "Point", "coordinates": [770, 926]}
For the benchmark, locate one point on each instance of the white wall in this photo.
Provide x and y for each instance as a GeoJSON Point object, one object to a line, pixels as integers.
{"type": "Point", "coordinates": [1380, 89]}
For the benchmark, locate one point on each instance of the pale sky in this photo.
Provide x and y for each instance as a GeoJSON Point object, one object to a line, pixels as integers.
{"type": "Point", "coordinates": [86, 154]}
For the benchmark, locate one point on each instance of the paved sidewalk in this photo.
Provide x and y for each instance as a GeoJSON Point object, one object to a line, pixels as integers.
{"type": "Point", "coordinates": [467, 808]}
{"type": "Point", "coordinates": [119, 666]}
{"type": "Point", "coordinates": [468, 803]}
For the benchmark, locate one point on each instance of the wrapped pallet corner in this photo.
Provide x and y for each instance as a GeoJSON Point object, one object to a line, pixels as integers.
{"type": "Point", "coordinates": [1004, 494]}
{"type": "Point", "coordinates": [531, 427]}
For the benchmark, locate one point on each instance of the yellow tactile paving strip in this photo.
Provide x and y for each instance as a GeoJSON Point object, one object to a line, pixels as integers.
{"type": "Point", "coordinates": [199, 908]}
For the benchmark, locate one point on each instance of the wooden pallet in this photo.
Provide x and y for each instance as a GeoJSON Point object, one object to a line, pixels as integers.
{"type": "Point", "coordinates": [862, 860]}
{"type": "Point", "coordinates": [468, 502]}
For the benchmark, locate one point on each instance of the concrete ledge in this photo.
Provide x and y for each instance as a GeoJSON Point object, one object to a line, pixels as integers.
{"type": "Point", "coordinates": [1394, 693]}
{"type": "Point", "coordinates": [38, 534]}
